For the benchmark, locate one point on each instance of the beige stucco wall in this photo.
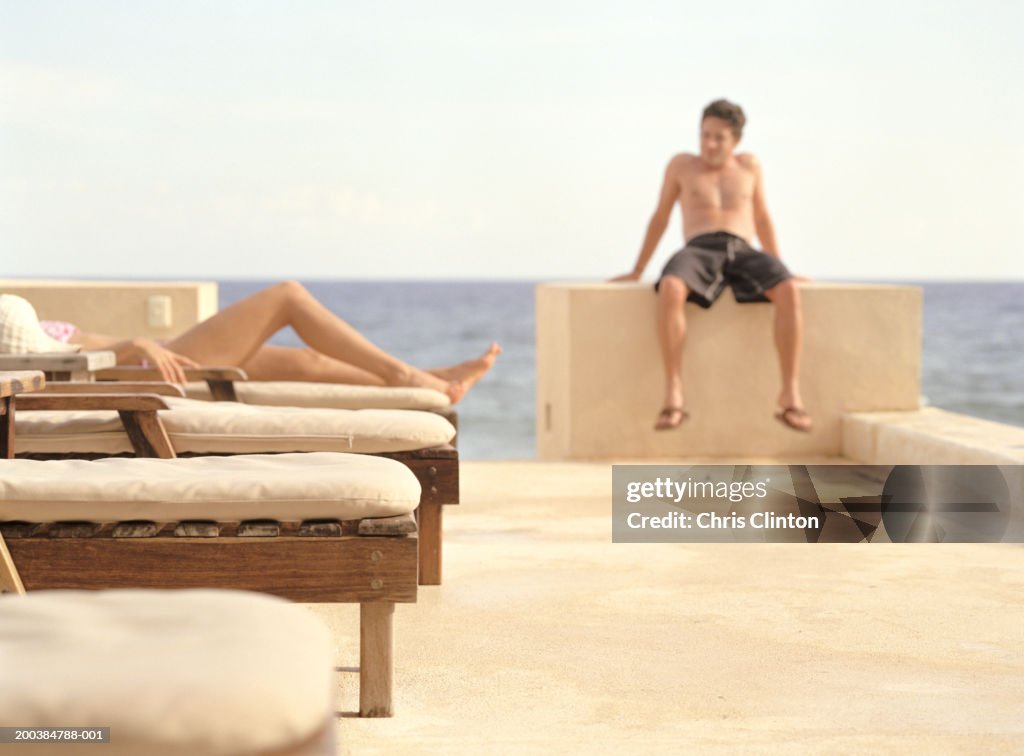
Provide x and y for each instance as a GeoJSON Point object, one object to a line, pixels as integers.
{"type": "Point", "coordinates": [600, 380]}
{"type": "Point", "coordinates": [930, 436]}
{"type": "Point", "coordinates": [117, 308]}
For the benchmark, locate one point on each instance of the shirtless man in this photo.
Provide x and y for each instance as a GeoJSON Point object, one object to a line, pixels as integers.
{"type": "Point", "coordinates": [721, 195]}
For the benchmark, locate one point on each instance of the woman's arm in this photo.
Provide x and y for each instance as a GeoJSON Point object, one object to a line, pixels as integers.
{"type": "Point", "coordinates": [93, 341]}
{"type": "Point", "coordinates": [136, 352]}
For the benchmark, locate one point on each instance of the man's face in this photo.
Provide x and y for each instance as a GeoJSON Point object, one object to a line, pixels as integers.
{"type": "Point", "coordinates": [717, 141]}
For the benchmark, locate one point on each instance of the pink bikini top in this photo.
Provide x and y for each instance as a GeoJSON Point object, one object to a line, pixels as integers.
{"type": "Point", "coordinates": [59, 330]}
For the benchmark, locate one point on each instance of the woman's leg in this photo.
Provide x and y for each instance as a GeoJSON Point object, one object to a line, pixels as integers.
{"type": "Point", "coordinates": [470, 370]}
{"type": "Point", "coordinates": [233, 335]}
{"type": "Point", "coordinates": [277, 363]}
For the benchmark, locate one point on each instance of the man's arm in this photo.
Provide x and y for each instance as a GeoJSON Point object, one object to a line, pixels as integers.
{"type": "Point", "coordinates": [659, 221]}
{"type": "Point", "coordinates": [762, 220]}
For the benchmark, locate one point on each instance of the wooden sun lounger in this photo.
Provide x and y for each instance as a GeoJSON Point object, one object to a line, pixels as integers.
{"type": "Point", "coordinates": [372, 561]}
{"type": "Point", "coordinates": [436, 468]}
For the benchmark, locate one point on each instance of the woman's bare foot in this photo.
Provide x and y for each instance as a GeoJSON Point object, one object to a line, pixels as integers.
{"type": "Point", "coordinates": [453, 381]}
{"type": "Point", "coordinates": [455, 390]}
{"type": "Point", "coordinates": [471, 370]}
{"type": "Point", "coordinates": [410, 377]}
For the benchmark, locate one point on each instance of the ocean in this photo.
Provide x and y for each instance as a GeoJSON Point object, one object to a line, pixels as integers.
{"type": "Point", "coordinates": [973, 358]}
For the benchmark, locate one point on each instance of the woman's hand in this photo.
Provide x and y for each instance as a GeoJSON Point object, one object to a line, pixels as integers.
{"type": "Point", "coordinates": [170, 364]}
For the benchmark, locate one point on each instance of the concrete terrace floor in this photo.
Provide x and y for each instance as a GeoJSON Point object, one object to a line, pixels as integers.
{"type": "Point", "coordinates": [548, 638]}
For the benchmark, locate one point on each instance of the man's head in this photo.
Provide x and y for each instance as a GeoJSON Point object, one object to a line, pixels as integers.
{"type": "Point", "coordinates": [721, 127]}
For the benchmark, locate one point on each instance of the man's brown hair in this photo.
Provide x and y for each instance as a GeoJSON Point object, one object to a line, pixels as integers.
{"type": "Point", "coordinates": [729, 112]}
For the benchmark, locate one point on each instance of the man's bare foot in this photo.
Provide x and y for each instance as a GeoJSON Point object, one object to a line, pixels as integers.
{"type": "Point", "coordinates": [470, 370]}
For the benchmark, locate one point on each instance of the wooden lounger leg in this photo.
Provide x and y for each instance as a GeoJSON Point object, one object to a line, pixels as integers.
{"type": "Point", "coordinates": [147, 434]}
{"type": "Point", "coordinates": [222, 389]}
{"type": "Point", "coordinates": [10, 581]}
{"type": "Point", "coordinates": [429, 518]}
{"type": "Point", "coordinates": [376, 640]}
{"type": "Point", "coordinates": [7, 427]}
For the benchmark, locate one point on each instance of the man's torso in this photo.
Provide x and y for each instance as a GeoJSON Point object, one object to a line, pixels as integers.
{"type": "Point", "coordinates": [716, 199]}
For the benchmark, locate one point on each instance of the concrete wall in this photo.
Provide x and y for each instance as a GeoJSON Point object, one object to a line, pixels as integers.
{"type": "Point", "coordinates": [930, 436]}
{"type": "Point", "coordinates": [600, 380]}
{"type": "Point", "coordinates": [120, 308]}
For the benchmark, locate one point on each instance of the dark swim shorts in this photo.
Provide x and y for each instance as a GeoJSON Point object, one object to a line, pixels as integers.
{"type": "Point", "coordinates": [710, 262]}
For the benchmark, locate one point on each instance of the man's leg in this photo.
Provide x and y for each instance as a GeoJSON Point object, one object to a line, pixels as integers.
{"type": "Point", "coordinates": [672, 294]}
{"type": "Point", "coordinates": [788, 342]}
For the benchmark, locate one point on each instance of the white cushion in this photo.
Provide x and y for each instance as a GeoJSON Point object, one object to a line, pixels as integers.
{"type": "Point", "coordinates": [276, 486]}
{"type": "Point", "coordinates": [170, 672]}
{"type": "Point", "coordinates": [328, 395]}
{"type": "Point", "coordinates": [230, 427]}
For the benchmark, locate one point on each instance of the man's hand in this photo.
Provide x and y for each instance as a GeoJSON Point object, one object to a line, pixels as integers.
{"type": "Point", "coordinates": [625, 277]}
{"type": "Point", "coordinates": [170, 364]}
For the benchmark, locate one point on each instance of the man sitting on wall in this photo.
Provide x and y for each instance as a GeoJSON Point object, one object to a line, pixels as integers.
{"type": "Point", "coordinates": [721, 196]}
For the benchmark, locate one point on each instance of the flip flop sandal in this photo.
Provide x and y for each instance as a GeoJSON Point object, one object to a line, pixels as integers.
{"type": "Point", "coordinates": [667, 413]}
{"type": "Point", "coordinates": [784, 418]}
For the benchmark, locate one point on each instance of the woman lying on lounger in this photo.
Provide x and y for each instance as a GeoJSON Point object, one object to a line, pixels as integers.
{"type": "Point", "coordinates": [236, 336]}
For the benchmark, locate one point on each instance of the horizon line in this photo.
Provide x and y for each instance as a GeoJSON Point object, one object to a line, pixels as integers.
{"type": "Point", "coordinates": [475, 279]}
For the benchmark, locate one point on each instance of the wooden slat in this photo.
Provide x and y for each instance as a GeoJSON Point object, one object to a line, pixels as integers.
{"type": "Point", "coordinates": [139, 373]}
{"type": "Point", "coordinates": [137, 529]}
{"type": "Point", "coordinates": [21, 382]}
{"type": "Point", "coordinates": [15, 529]}
{"type": "Point", "coordinates": [321, 528]}
{"type": "Point", "coordinates": [197, 529]}
{"type": "Point", "coordinates": [442, 451]}
{"type": "Point", "coordinates": [75, 375]}
{"type": "Point", "coordinates": [68, 362]}
{"type": "Point", "coordinates": [73, 529]}
{"type": "Point", "coordinates": [119, 401]}
{"type": "Point", "coordinates": [387, 526]}
{"type": "Point", "coordinates": [259, 529]}
{"type": "Point", "coordinates": [124, 387]}
{"type": "Point", "coordinates": [321, 570]}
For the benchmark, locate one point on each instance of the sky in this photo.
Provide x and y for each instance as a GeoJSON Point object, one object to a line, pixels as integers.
{"type": "Point", "coordinates": [339, 140]}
